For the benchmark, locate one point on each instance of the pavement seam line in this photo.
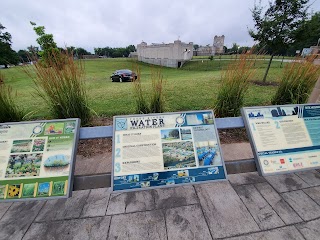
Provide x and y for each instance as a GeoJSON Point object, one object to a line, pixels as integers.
{"type": "Point", "coordinates": [6, 211]}
{"type": "Point", "coordinates": [204, 216]}
{"type": "Point", "coordinates": [269, 204]}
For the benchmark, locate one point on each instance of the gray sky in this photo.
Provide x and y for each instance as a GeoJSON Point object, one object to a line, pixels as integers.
{"type": "Point", "coordinates": [119, 23]}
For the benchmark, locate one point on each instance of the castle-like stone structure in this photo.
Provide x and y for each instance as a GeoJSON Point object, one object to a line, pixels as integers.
{"type": "Point", "coordinates": [218, 43]}
{"type": "Point", "coordinates": [172, 55]}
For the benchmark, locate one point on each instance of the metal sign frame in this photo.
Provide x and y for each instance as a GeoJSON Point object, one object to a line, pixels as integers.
{"type": "Point", "coordinates": [72, 159]}
{"type": "Point", "coordinates": [253, 143]}
{"type": "Point", "coordinates": [173, 185]}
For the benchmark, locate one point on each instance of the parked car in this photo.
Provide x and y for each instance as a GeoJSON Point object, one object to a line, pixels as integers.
{"type": "Point", "coordinates": [123, 75]}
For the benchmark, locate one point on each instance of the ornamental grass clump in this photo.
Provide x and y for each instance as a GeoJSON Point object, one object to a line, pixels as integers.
{"type": "Point", "coordinates": [9, 111]}
{"type": "Point", "coordinates": [153, 102]}
{"type": "Point", "coordinates": [157, 92]}
{"type": "Point", "coordinates": [234, 85]}
{"type": "Point", "coordinates": [297, 81]}
{"type": "Point", "coordinates": [141, 104]}
{"type": "Point", "coordinates": [62, 86]}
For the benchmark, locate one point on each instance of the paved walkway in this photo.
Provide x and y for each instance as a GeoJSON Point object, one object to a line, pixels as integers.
{"type": "Point", "coordinates": [245, 207]}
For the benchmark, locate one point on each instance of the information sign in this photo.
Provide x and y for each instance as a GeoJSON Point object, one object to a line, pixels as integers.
{"type": "Point", "coordinates": [284, 138]}
{"type": "Point", "coordinates": [164, 149]}
{"type": "Point", "coordinates": [36, 159]}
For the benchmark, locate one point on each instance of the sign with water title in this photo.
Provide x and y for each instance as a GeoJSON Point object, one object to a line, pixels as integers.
{"type": "Point", "coordinates": [285, 138]}
{"type": "Point", "coordinates": [37, 159]}
{"type": "Point", "coordinates": [155, 150]}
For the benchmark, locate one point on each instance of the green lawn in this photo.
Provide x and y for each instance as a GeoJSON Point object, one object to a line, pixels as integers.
{"type": "Point", "coordinates": [192, 87]}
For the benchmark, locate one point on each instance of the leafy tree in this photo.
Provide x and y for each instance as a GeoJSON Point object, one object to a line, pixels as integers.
{"type": "Point", "coordinates": [33, 50]}
{"type": "Point", "coordinates": [81, 51]}
{"type": "Point", "coordinates": [196, 46]}
{"type": "Point", "coordinates": [7, 55]}
{"type": "Point", "coordinates": [46, 42]}
{"type": "Point", "coordinates": [23, 55]}
{"type": "Point", "coordinates": [276, 27]}
{"type": "Point", "coordinates": [234, 48]}
{"type": "Point", "coordinates": [308, 33]}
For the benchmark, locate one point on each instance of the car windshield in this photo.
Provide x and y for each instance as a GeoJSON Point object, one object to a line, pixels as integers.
{"type": "Point", "coordinates": [124, 71]}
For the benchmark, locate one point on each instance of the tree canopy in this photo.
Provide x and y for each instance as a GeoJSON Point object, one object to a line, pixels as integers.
{"type": "Point", "coordinates": [276, 27]}
{"type": "Point", "coordinates": [7, 55]}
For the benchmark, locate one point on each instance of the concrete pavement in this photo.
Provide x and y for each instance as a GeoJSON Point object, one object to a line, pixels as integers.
{"type": "Point", "coordinates": [247, 206]}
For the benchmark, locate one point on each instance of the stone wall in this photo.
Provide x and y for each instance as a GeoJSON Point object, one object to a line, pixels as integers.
{"type": "Point", "coordinates": [218, 43]}
{"type": "Point", "coordinates": [170, 55]}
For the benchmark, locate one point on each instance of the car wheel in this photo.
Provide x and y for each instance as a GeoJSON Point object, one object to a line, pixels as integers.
{"type": "Point", "coordinates": [120, 79]}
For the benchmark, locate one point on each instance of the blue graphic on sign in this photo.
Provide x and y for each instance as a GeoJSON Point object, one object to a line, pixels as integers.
{"type": "Point", "coordinates": [121, 124]}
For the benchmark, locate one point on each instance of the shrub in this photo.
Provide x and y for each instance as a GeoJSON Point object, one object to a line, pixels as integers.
{"type": "Point", "coordinates": [141, 104]}
{"type": "Point", "coordinates": [156, 97]}
{"type": "Point", "coordinates": [234, 84]}
{"type": "Point", "coordinates": [297, 81]}
{"type": "Point", "coordinates": [62, 86]}
{"type": "Point", "coordinates": [9, 111]}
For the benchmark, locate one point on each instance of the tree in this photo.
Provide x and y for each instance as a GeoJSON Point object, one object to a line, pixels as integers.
{"type": "Point", "coordinates": [46, 42]}
{"type": "Point", "coordinates": [308, 33]}
{"type": "Point", "coordinates": [196, 46]}
{"type": "Point", "coordinates": [234, 48]}
{"type": "Point", "coordinates": [23, 55]}
{"type": "Point", "coordinates": [7, 55]}
{"type": "Point", "coordinates": [275, 28]}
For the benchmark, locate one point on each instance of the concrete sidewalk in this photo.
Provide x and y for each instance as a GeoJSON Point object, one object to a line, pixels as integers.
{"type": "Point", "coordinates": [245, 207]}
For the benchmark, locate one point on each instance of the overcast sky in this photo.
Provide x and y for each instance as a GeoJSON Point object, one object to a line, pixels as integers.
{"type": "Point", "coordinates": [119, 23]}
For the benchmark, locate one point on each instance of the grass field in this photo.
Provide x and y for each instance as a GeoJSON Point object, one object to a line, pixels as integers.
{"type": "Point", "coordinates": [192, 87]}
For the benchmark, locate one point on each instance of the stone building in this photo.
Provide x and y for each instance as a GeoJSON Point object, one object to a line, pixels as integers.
{"type": "Point", "coordinates": [172, 55]}
{"type": "Point", "coordinates": [218, 43]}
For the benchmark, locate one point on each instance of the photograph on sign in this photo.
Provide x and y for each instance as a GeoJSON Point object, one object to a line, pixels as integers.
{"type": "Point", "coordinates": [285, 138]}
{"type": "Point", "coordinates": [37, 159]}
{"type": "Point", "coordinates": [154, 150]}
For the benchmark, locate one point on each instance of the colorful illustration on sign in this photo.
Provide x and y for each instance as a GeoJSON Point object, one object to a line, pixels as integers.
{"type": "Point", "coordinates": [208, 153]}
{"type": "Point", "coordinates": [199, 118]}
{"type": "Point", "coordinates": [58, 188]}
{"type": "Point", "coordinates": [28, 190]}
{"type": "Point", "coordinates": [155, 176]}
{"type": "Point", "coordinates": [183, 173]}
{"type": "Point", "coordinates": [170, 134]}
{"type": "Point", "coordinates": [23, 165]}
{"type": "Point", "coordinates": [170, 181]}
{"type": "Point", "coordinates": [213, 170]}
{"type": "Point", "coordinates": [54, 128]}
{"type": "Point", "coordinates": [186, 134]}
{"type": "Point", "coordinates": [14, 191]}
{"type": "Point", "coordinates": [43, 189]}
{"type": "Point", "coordinates": [70, 127]}
{"type": "Point", "coordinates": [178, 155]}
{"type": "Point", "coordinates": [56, 162]}
{"type": "Point", "coordinates": [38, 145]}
{"type": "Point", "coordinates": [19, 146]}
{"type": "Point", "coordinates": [2, 190]}
{"type": "Point", "coordinates": [145, 184]}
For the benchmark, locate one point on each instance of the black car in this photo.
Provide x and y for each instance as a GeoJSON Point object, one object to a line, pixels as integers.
{"type": "Point", "coordinates": [123, 75]}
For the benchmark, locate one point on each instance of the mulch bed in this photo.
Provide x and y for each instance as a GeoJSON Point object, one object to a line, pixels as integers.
{"type": "Point", "coordinates": [93, 147]}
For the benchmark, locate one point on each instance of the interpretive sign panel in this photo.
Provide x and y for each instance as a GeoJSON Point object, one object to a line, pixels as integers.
{"type": "Point", "coordinates": [36, 159]}
{"type": "Point", "coordinates": [155, 150]}
{"type": "Point", "coordinates": [284, 138]}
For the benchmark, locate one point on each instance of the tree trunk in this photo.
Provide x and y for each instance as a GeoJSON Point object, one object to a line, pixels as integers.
{"type": "Point", "coordinates": [282, 61]}
{"type": "Point", "coordinates": [266, 74]}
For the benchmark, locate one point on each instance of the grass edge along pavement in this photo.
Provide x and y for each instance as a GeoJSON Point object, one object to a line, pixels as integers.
{"type": "Point", "coordinates": [190, 88]}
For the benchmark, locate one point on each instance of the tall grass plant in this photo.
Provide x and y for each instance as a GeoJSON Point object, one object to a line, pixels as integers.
{"type": "Point", "coordinates": [62, 87]}
{"type": "Point", "coordinates": [296, 82]}
{"type": "Point", "coordinates": [234, 85]}
{"type": "Point", "coordinates": [9, 111]}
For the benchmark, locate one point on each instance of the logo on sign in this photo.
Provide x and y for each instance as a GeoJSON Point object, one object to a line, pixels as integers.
{"type": "Point", "coordinates": [121, 124]}
{"type": "Point", "coordinates": [282, 161]}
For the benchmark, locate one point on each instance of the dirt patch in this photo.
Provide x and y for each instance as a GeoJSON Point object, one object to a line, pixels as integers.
{"type": "Point", "coordinates": [260, 83]}
{"type": "Point", "coordinates": [94, 147]}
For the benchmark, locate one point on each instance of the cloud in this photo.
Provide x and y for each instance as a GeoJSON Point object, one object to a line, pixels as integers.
{"type": "Point", "coordinates": [118, 23]}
